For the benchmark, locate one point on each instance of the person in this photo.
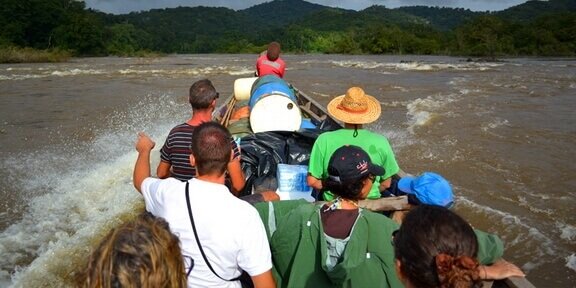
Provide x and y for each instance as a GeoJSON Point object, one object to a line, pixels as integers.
{"type": "Point", "coordinates": [435, 247]}
{"type": "Point", "coordinates": [355, 109]}
{"type": "Point", "coordinates": [221, 233]}
{"type": "Point", "coordinates": [175, 153]}
{"type": "Point", "coordinates": [270, 63]}
{"type": "Point", "coordinates": [139, 253]}
{"type": "Point", "coordinates": [334, 244]}
{"type": "Point", "coordinates": [428, 188]}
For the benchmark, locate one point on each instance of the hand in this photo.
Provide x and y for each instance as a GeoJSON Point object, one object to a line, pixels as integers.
{"type": "Point", "coordinates": [501, 269]}
{"type": "Point", "coordinates": [144, 143]}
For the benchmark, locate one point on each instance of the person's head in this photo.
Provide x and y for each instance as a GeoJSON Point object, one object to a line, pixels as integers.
{"type": "Point", "coordinates": [273, 51]}
{"type": "Point", "coordinates": [211, 148]}
{"type": "Point", "coordinates": [428, 188]}
{"type": "Point", "coordinates": [351, 173]}
{"type": "Point", "coordinates": [355, 107]}
{"type": "Point", "coordinates": [139, 253]}
{"type": "Point", "coordinates": [202, 94]}
{"type": "Point", "coordinates": [435, 247]}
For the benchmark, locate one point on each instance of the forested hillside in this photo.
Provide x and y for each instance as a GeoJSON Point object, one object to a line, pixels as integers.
{"type": "Point", "coordinates": [535, 28]}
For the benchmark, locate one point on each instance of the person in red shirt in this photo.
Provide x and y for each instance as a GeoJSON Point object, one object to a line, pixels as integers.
{"type": "Point", "coordinates": [270, 63]}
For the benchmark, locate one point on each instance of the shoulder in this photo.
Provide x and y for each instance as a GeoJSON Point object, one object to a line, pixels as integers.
{"type": "Point", "coordinates": [328, 135]}
{"type": "Point", "coordinates": [379, 220]}
{"type": "Point", "coordinates": [184, 127]}
{"type": "Point", "coordinates": [375, 136]}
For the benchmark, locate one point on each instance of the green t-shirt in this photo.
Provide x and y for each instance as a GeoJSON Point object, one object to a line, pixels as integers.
{"type": "Point", "coordinates": [375, 145]}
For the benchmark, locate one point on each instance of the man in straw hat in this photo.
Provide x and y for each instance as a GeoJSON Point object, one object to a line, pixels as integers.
{"type": "Point", "coordinates": [354, 109]}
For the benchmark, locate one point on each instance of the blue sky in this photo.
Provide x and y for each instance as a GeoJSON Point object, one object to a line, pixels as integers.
{"type": "Point", "coordinates": [126, 6]}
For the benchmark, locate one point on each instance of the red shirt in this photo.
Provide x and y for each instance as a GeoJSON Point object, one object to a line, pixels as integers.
{"type": "Point", "coordinates": [267, 67]}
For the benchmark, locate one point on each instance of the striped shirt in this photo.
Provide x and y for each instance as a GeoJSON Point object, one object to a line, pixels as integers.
{"type": "Point", "coordinates": [176, 151]}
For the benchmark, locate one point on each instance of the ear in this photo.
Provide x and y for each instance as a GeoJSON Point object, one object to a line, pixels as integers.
{"type": "Point", "coordinates": [192, 160]}
{"type": "Point", "coordinates": [213, 104]}
{"type": "Point", "coordinates": [401, 276]}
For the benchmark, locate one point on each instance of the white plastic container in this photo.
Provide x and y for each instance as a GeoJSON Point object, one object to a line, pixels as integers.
{"type": "Point", "coordinates": [292, 182]}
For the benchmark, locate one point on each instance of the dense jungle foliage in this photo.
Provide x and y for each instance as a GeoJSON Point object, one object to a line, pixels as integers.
{"type": "Point", "coordinates": [535, 28]}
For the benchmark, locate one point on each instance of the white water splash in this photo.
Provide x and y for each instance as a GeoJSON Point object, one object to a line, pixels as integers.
{"type": "Point", "coordinates": [422, 111]}
{"type": "Point", "coordinates": [72, 204]}
{"type": "Point", "coordinates": [571, 262]}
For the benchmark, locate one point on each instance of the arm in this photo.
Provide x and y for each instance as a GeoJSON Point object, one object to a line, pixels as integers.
{"type": "Point", "coordinates": [163, 170]}
{"type": "Point", "coordinates": [385, 184]}
{"type": "Point", "coordinates": [314, 182]}
{"type": "Point", "coordinates": [236, 176]}
{"type": "Point", "coordinates": [142, 168]}
{"type": "Point", "coordinates": [499, 270]}
{"type": "Point", "coordinates": [264, 280]}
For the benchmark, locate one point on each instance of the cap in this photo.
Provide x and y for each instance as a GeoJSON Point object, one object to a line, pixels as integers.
{"type": "Point", "coordinates": [350, 163]}
{"type": "Point", "coordinates": [429, 188]}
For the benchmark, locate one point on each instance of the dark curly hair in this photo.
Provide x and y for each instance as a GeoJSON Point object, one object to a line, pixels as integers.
{"type": "Point", "coordinates": [437, 248]}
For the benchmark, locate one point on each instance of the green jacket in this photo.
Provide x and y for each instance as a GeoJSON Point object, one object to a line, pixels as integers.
{"type": "Point", "coordinates": [299, 250]}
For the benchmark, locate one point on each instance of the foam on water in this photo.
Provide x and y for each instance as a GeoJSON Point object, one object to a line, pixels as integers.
{"type": "Point", "coordinates": [132, 71]}
{"type": "Point", "coordinates": [417, 66]}
{"type": "Point", "coordinates": [571, 261]}
{"type": "Point", "coordinates": [72, 204]}
{"type": "Point", "coordinates": [495, 123]}
{"type": "Point", "coordinates": [74, 72]}
{"type": "Point", "coordinates": [535, 244]}
{"type": "Point", "coordinates": [422, 111]}
{"type": "Point", "coordinates": [567, 231]}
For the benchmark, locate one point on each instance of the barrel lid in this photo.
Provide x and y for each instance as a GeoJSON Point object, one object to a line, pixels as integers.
{"type": "Point", "coordinates": [275, 112]}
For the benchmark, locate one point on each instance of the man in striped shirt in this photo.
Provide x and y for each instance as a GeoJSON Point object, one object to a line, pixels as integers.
{"type": "Point", "coordinates": [175, 153]}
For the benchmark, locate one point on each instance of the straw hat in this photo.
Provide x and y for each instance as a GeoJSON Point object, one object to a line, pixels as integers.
{"type": "Point", "coordinates": [355, 107]}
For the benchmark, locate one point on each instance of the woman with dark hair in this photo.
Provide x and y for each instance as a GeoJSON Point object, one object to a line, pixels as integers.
{"type": "Point", "coordinates": [437, 248]}
{"type": "Point", "coordinates": [333, 244]}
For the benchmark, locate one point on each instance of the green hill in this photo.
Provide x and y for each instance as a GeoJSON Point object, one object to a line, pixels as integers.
{"type": "Point", "coordinates": [533, 28]}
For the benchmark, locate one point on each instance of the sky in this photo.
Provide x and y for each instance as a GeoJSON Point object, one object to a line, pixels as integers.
{"type": "Point", "coordinates": [127, 6]}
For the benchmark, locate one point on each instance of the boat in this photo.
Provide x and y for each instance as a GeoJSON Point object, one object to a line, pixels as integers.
{"type": "Point", "coordinates": [315, 119]}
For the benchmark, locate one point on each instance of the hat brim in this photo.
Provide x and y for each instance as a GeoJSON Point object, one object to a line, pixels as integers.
{"type": "Point", "coordinates": [405, 184]}
{"type": "Point", "coordinates": [376, 170]}
{"type": "Point", "coordinates": [370, 115]}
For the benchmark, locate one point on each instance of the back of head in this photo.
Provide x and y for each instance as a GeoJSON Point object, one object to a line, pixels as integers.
{"type": "Point", "coordinates": [348, 168]}
{"type": "Point", "coordinates": [202, 93]}
{"type": "Point", "coordinates": [139, 253]}
{"type": "Point", "coordinates": [211, 147]}
{"type": "Point", "coordinates": [437, 248]}
{"type": "Point", "coordinates": [273, 51]}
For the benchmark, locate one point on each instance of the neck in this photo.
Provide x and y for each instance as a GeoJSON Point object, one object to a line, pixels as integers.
{"type": "Point", "coordinates": [348, 204]}
{"type": "Point", "coordinates": [200, 116]}
{"type": "Point", "coordinates": [212, 178]}
{"type": "Point", "coordinates": [352, 126]}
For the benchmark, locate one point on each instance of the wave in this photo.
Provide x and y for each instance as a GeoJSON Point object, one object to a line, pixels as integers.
{"type": "Point", "coordinates": [417, 66]}
{"type": "Point", "coordinates": [571, 262]}
{"type": "Point", "coordinates": [43, 73]}
{"type": "Point", "coordinates": [77, 204]}
{"type": "Point", "coordinates": [422, 111]}
{"type": "Point", "coordinates": [527, 241]}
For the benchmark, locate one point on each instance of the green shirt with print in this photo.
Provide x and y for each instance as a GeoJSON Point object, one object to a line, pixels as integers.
{"type": "Point", "coordinates": [375, 145]}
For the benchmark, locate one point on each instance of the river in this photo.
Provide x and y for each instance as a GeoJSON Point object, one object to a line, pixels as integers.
{"type": "Point", "coordinates": [503, 134]}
